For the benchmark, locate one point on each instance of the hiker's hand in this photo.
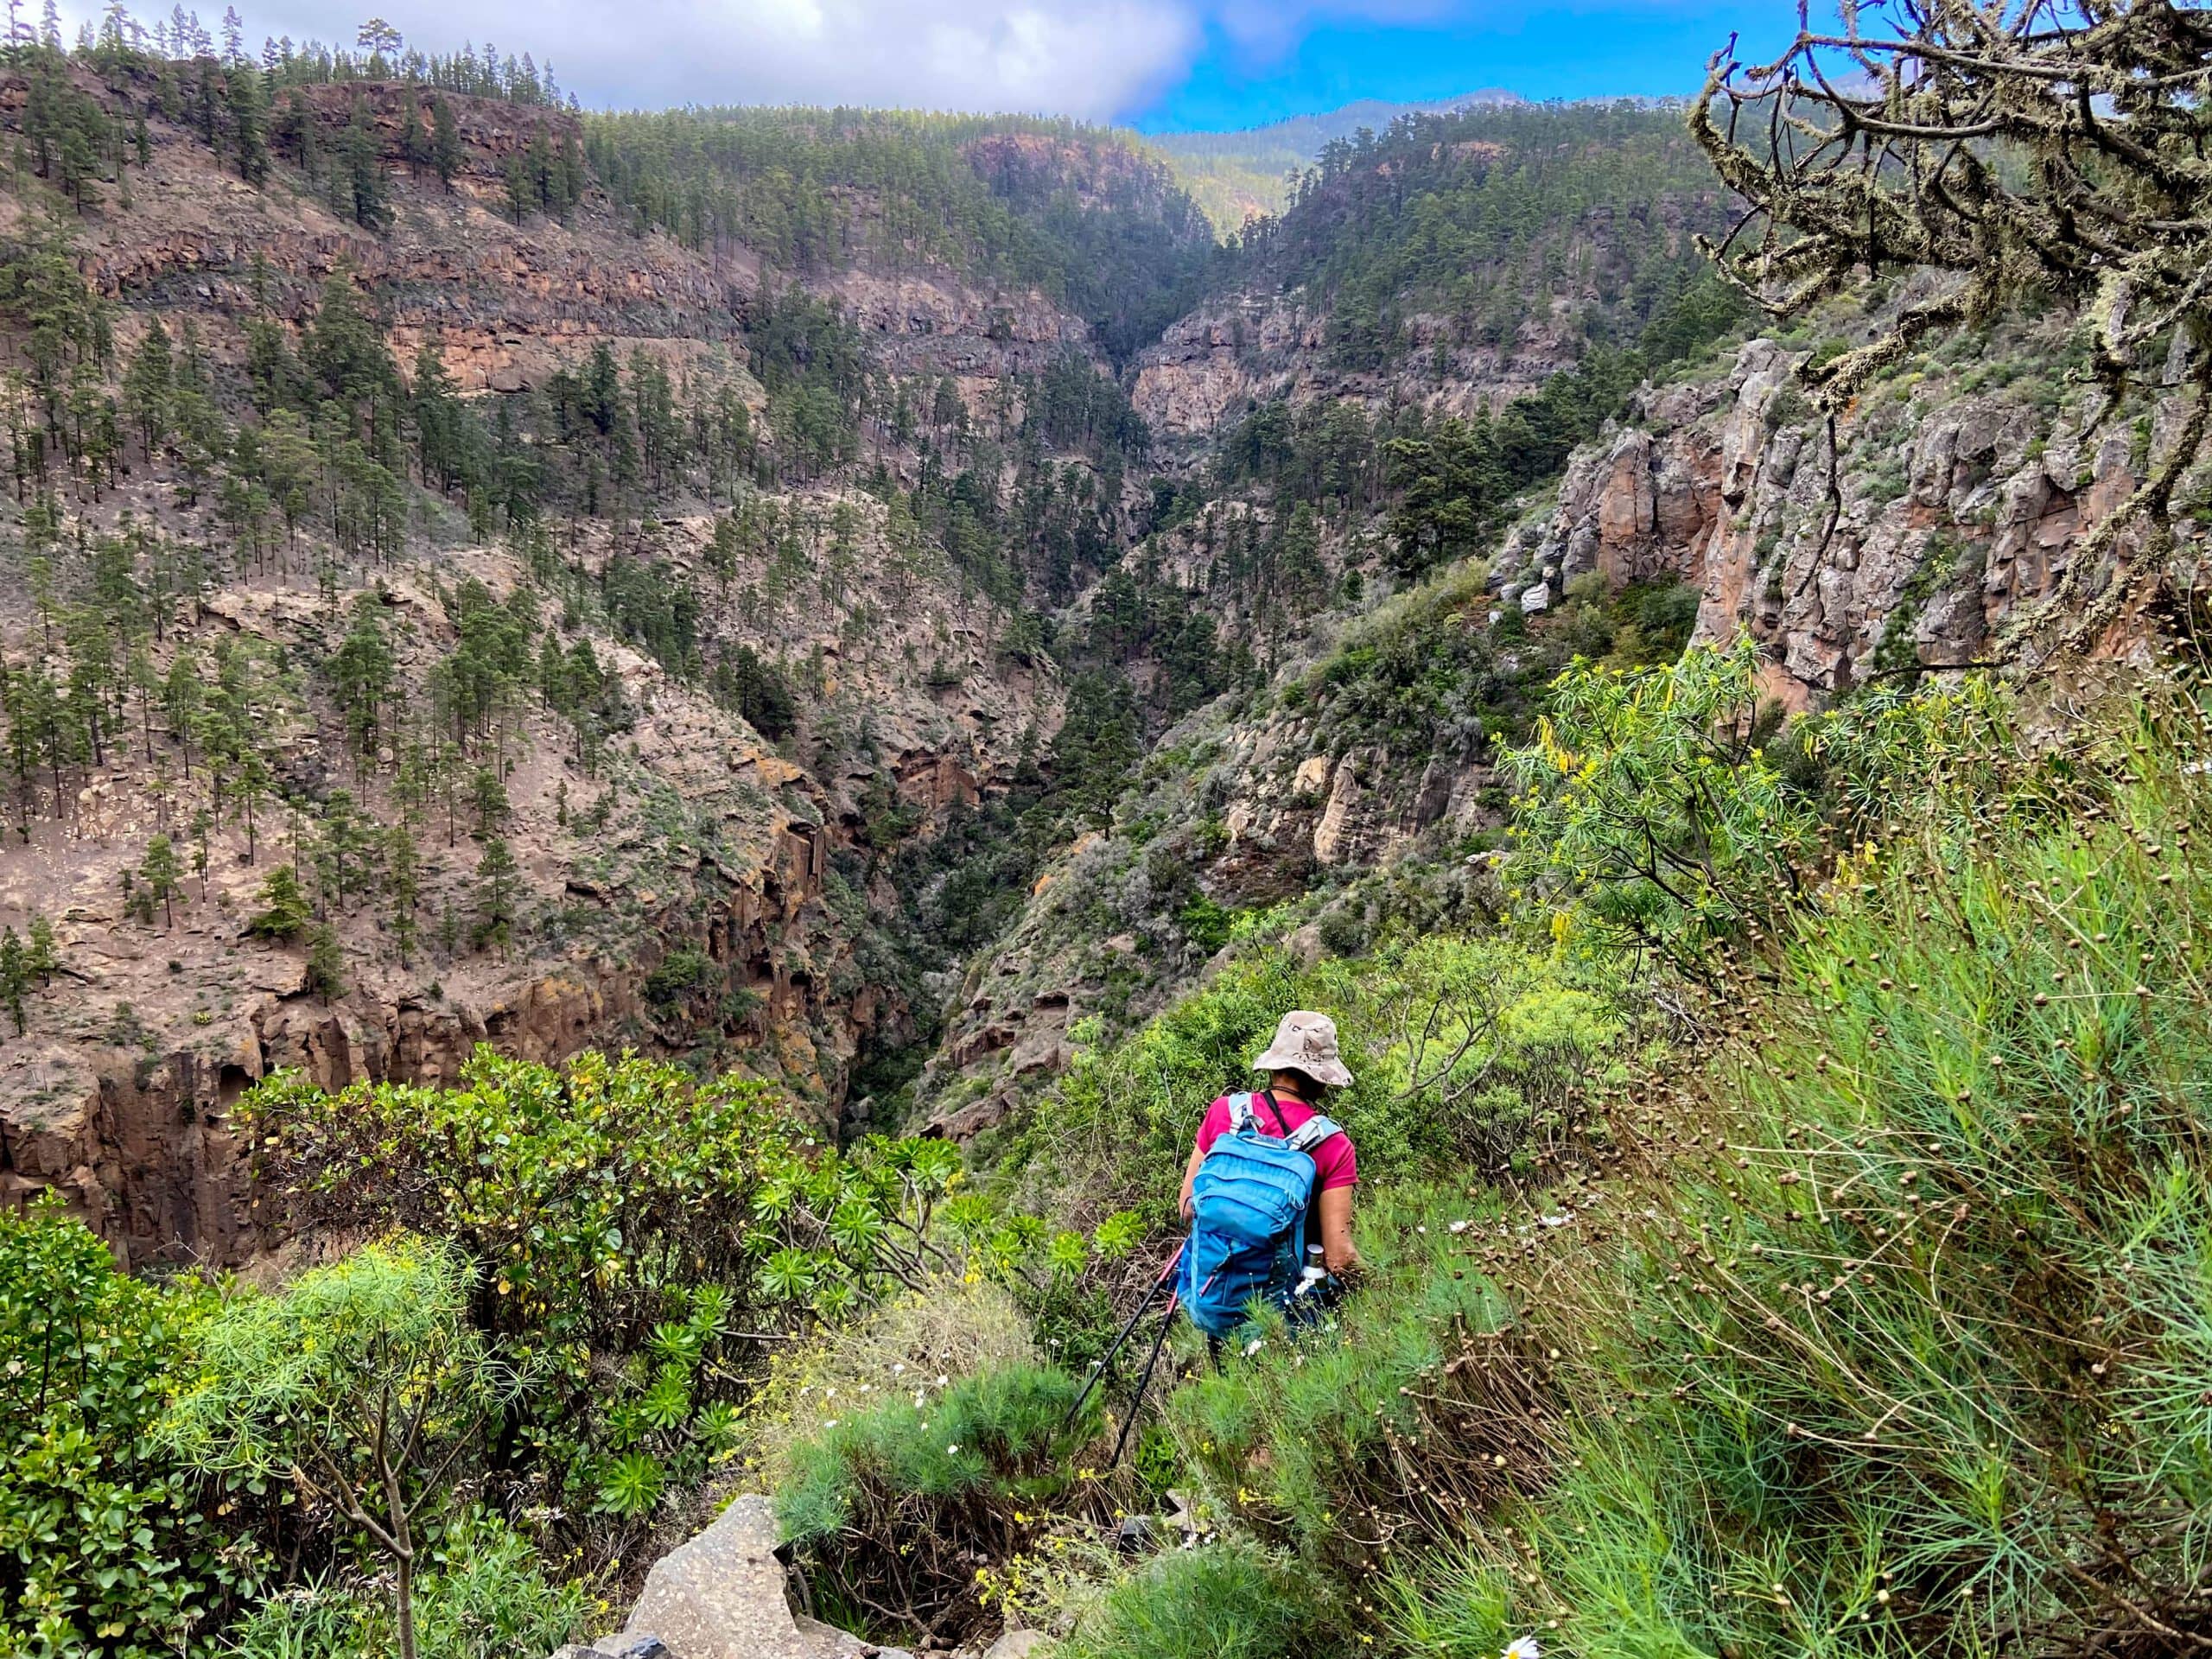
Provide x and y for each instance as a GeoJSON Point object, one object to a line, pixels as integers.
{"type": "Point", "coordinates": [1186, 1206]}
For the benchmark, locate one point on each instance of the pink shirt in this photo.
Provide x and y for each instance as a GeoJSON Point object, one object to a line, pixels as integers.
{"type": "Point", "coordinates": [1335, 1163]}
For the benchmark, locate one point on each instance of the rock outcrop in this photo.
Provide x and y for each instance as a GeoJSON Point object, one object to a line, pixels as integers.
{"type": "Point", "coordinates": [1212, 366]}
{"type": "Point", "coordinates": [721, 1596]}
{"type": "Point", "coordinates": [1930, 533]}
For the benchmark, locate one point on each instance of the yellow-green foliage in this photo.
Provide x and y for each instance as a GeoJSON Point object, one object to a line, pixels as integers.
{"type": "Point", "coordinates": [1465, 1050]}
{"type": "Point", "coordinates": [913, 1346]}
{"type": "Point", "coordinates": [628, 1225]}
{"type": "Point", "coordinates": [1646, 796]}
{"type": "Point", "coordinates": [1912, 1350]}
{"type": "Point", "coordinates": [1652, 811]}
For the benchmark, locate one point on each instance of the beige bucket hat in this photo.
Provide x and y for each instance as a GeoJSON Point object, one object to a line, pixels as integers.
{"type": "Point", "coordinates": [1306, 1042]}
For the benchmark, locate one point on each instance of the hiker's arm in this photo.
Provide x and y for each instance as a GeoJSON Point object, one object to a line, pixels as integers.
{"type": "Point", "coordinates": [1336, 1252]}
{"type": "Point", "coordinates": [1190, 1179]}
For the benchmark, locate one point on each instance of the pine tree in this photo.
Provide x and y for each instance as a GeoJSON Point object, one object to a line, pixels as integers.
{"type": "Point", "coordinates": [284, 912]}
{"type": "Point", "coordinates": [162, 875]}
{"type": "Point", "coordinates": [403, 882]}
{"type": "Point", "coordinates": [149, 385]}
{"type": "Point", "coordinates": [488, 793]}
{"type": "Point", "coordinates": [358, 182]}
{"type": "Point", "coordinates": [45, 957]}
{"type": "Point", "coordinates": [248, 122]}
{"type": "Point", "coordinates": [498, 887]}
{"type": "Point", "coordinates": [445, 141]}
{"type": "Point", "coordinates": [440, 422]}
{"type": "Point", "coordinates": [326, 962]}
{"type": "Point", "coordinates": [343, 847]}
{"type": "Point", "coordinates": [203, 827]}
{"type": "Point", "coordinates": [521, 193]}
{"type": "Point", "coordinates": [361, 672]}
{"type": "Point", "coordinates": [414, 139]}
{"type": "Point", "coordinates": [15, 976]}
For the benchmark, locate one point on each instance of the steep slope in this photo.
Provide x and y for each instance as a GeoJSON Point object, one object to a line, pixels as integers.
{"type": "Point", "coordinates": [1251, 173]}
{"type": "Point", "coordinates": [1347, 782]}
{"type": "Point", "coordinates": [591, 612]}
{"type": "Point", "coordinates": [1449, 263]}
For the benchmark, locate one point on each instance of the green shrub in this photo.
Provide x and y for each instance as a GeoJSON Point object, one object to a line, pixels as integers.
{"type": "Point", "coordinates": [1646, 794]}
{"type": "Point", "coordinates": [892, 1507]}
{"type": "Point", "coordinates": [1228, 1600]}
{"type": "Point", "coordinates": [1908, 1353]}
{"type": "Point", "coordinates": [484, 1596]}
{"type": "Point", "coordinates": [1652, 810]}
{"type": "Point", "coordinates": [359, 1385]}
{"type": "Point", "coordinates": [629, 1226]}
{"type": "Point", "coordinates": [104, 1549]}
{"type": "Point", "coordinates": [947, 1328]}
{"type": "Point", "coordinates": [682, 971]}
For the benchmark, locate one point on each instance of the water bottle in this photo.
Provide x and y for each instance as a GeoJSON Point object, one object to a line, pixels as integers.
{"type": "Point", "coordinates": [1315, 1272]}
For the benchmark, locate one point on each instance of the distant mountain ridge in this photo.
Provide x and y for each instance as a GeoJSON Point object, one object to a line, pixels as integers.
{"type": "Point", "coordinates": [1237, 175]}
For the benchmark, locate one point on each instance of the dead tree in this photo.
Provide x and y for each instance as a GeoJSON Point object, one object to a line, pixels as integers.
{"type": "Point", "coordinates": [2041, 149]}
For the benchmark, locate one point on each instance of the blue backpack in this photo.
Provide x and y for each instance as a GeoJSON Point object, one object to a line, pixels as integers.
{"type": "Point", "coordinates": [1247, 1224]}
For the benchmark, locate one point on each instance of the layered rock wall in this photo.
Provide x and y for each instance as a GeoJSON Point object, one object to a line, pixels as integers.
{"type": "Point", "coordinates": [1936, 523]}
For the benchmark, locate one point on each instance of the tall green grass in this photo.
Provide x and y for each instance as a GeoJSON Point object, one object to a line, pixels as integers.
{"type": "Point", "coordinates": [1228, 1601]}
{"type": "Point", "coordinates": [1369, 1429]}
{"type": "Point", "coordinates": [1910, 1351]}
{"type": "Point", "coordinates": [893, 1507]}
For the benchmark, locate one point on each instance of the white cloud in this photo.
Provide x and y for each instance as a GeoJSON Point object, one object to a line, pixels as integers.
{"type": "Point", "coordinates": [1090, 58]}
{"type": "Point", "coordinates": [1087, 58]}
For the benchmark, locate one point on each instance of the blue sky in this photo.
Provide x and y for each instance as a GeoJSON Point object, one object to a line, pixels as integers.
{"type": "Point", "coordinates": [1540, 51]}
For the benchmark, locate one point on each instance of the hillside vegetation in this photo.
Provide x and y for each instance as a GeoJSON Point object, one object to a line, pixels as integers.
{"type": "Point", "coordinates": [655, 762]}
{"type": "Point", "coordinates": [1070, 209]}
{"type": "Point", "coordinates": [1253, 173]}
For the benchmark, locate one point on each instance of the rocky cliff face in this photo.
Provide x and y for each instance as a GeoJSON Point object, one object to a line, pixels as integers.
{"type": "Point", "coordinates": [681, 892]}
{"type": "Point", "coordinates": [1953, 502]}
{"type": "Point", "coordinates": [1212, 366]}
{"type": "Point", "coordinates": [690, 838]}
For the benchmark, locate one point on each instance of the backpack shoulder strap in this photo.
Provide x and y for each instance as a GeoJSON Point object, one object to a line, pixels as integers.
{"type": "Point", "coordinates": [1240, 1119]}
{"type": "Point", "coordinates": [1312, 1132]}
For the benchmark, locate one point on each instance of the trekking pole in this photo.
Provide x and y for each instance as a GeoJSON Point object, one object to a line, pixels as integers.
{"type": "Point", "coordinates": [1144, 1381]}
{"type": "Point", "coordinates": [1106, 1359]}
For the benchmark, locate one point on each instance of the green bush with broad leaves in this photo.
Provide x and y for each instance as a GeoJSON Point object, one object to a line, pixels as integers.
{"type": "Point", "coordinates": [106, 1548]}
{"type": "Point", "coordinates": [636, 1234]}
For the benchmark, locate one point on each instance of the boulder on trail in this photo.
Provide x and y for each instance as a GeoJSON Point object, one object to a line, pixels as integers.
{"type": "Point", "coordinates": [720, 1596]}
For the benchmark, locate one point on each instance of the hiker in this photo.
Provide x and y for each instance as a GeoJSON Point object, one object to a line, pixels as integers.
{"type": "Point", "coordinates": [1271, 1222]}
